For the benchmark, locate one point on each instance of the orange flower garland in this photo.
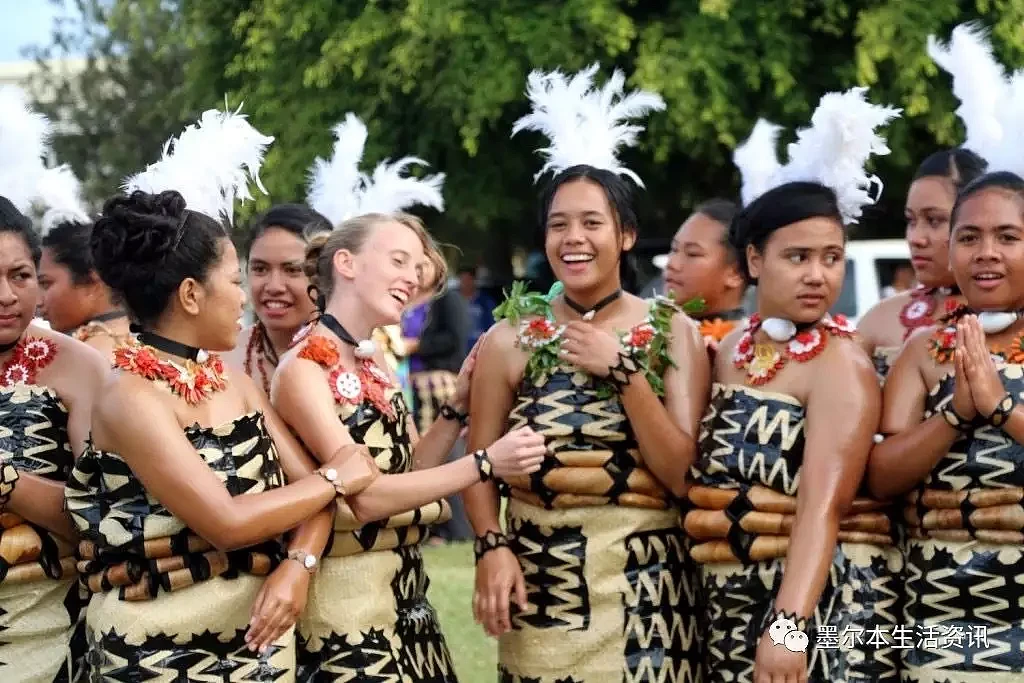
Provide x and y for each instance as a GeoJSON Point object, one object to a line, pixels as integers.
{"type": "Point", "coordinates": [29, 356]}
{"type": "Point", "coordinates": [368, 383]}
{"type": "Point", "coordinates": [194, 382]}
{"type": "Point", "coordinates": [715, 329]}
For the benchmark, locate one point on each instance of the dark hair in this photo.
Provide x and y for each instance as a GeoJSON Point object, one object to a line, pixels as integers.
{"type": "Point", "coordinates": [722, 211]}
{"type": "Point", "coordinates": [298, 219]}
{"type": "Point", "coordinates": [958, 165]}
{"type": "Point", "coordinates": [1001, 180]}
{"type": "Point", "coordinates": [775, 209]}
{"type": "Point", "coordinates": [14, 221]}
{"type": "Point", "coordinates": [145, 245]}
{"type": "Point", "coordinates": [620, 196]}
{"type": "Point", "coordinates": [69, 243]}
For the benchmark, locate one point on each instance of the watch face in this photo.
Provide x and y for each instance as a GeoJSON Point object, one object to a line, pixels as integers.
{"type": "Point", "coordinates": [309, 561]}
{"type": "Point", "coordinates": [331, 474]}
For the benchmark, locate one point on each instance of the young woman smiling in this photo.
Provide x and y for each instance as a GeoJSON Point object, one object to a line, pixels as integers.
{"type": "Point", "coordinates": [277, 288]}
{"type": "Point", "coordinates": [590, 579]}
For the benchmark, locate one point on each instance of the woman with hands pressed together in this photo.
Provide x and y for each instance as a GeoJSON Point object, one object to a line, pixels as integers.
{"type": "Point", "coordinates": [368, 609]}
{"type": "Point", "coordinates": [180, 495]}
{"type": "Point", "coordinates": [954, 446]}
{"type": "Point", "coordinates": [778, 533]}
{"type": "Point", "coordinates": [590, 580]}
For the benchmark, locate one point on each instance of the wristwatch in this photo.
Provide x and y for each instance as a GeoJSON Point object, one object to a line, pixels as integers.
{"type": "Point", "coordinates": [331, 476]}
{"type": "Point", "coordinates": [308, 562]}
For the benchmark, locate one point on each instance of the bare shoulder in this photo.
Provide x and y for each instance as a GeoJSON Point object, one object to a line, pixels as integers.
{"type": "Point", "coordinates": [501, 337]}
{"type": "Point", "coordinates": [882, 320]}
{"type": "Point", "coordinates": [847, 355]}
{"type": "Point", "coordinates": [77, 368]}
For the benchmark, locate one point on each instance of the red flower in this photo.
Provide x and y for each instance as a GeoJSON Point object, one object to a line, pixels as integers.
{"type": "Point", "coordinates": [321, 350]}
{"type": "Point", "coordinates": [641, 335]}
{"type": "Point", "coordinates": [17, 373]}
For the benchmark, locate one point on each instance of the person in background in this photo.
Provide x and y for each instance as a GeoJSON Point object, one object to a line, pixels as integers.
{"type": "Point", "coordinates": [438, 330]}
{"type": "Point", "coordinates": [277, 288]}
{"type": "Point", "coordinates": [704, 265]}
{"type": "Point", "coordinates": [903, 280]}
{"type": "Point", "coordinates": [74, 299]}
{"type": "Point", "coordinates": [479, 305]}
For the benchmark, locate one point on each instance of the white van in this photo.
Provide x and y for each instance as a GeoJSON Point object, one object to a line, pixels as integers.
{"type": "Point", "coordinates": [870, 265]}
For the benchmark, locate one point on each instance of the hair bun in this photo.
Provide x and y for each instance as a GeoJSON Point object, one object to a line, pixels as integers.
{"type": "Point", "coordinates": [134, 233]}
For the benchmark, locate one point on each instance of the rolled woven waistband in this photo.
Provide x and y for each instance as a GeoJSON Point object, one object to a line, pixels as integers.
{"type": "Point", "coordinates": [988, 515]}
{"type": "Point", "coordinates": [29, 553]}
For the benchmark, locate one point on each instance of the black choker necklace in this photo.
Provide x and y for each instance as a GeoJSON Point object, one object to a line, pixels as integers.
{"type": "Point", "coordinates": [105, 317]}
{"type": "Point", "coordinates": [170, 346]}
{"type": "Point", "coordinates": [589, 313]}
{"type": "Point", "coordinates": [364, 349]}
{"type": "Point", "coordinates": [4, 348]}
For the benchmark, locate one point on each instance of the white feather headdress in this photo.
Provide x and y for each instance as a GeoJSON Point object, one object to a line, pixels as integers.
{"type": "Point", "coordinates": [211, 164]}
{"type": "Point", "coordinates": [52, 193]}
{"type": "Point", "coordinates": [979, 82]}
{"type": "Point", "coordinates": [757, 160]}
{"type": "Point", "coordinates": [339, 190]}
{"type": "Point", "coordinates": [585, 125]}
{"type": "Point", "coordinates": [831, 152]}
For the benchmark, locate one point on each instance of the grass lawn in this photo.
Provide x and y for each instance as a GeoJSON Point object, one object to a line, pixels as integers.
{"type": "Point", "coordinates": [451, 571]}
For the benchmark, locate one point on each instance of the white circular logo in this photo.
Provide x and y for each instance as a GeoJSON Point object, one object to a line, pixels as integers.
{"type": "Point", "coordinates": [348, 386]}
{"type": "Point", "coordinates": [918, 309]}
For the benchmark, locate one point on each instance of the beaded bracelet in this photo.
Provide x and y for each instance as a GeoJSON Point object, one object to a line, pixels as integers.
{"type": "Point", "coordinates": [1003, 410]}
{"type": "Point", "coordinates": [954, 420]}
{"type": "Point", "coordinates": [799, 622]}
{"type": "Point", "coordinates": [484, 465]}
{"type": "Point", "coordinates": [449, 413]}
{"type": "Point", "coordinates": [621, 373]}
{"type": "Point", "coordinates": [488, 542]}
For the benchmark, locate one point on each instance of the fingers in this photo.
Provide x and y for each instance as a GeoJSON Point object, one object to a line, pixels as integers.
{"type": "Point", "coordinates": [520, 590]}
{"type": "Point", "coordinates": [477, 607]}
{"type": "Point", "coordinates": [257, 604]}
{"type": "Point", "coordinates": [276, 617]}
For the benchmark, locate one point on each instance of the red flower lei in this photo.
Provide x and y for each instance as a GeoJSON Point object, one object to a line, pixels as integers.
{"type": "Point", "coordinates": [194, 382]}
{"type": "Point", "coordinates": [30, 355]}
{"type": "Point", "coordinates": [763, 361]}
{"type": "Point", "coordinates": [368, 383]}
{"type": "Point", "coordinates": [920, 310]}
{"type": "Point", "coordinates": [256, 352]}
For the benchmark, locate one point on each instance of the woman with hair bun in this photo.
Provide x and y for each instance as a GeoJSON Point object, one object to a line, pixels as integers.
{"type": "Point", "coordinates": [368, 609]}
{"type": "Point", "coordinates": [74, 298]}
{"type": "Point", "coordinates": [792, 564]}
{"type": "Point", "coordinates": [589, 579]}
{"type": "Point", "coordinates": [277, 288]}
{"type": "Point", "coordinates": [180, 495]}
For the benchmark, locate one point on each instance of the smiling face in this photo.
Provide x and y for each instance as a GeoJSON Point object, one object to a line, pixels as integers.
{"type": "Point", "coordinates": [582, 240]}
{"type": "Point", "coordinates": [929, 204]}
{"type": "Point", "coordinates": [700, 264]}
{"type": "Point", "coordinates": [800, 273]}
{"type": "Point", "coordinates": [987, 250]}
{"type": "Point", "coordinates": [277, 281]}
{"type": "Point", "coordinates": [386, 272]}
{"type": "Point", "coordinates": [19, 288]}
{"type": "Point", "coordinates": [63, 303]}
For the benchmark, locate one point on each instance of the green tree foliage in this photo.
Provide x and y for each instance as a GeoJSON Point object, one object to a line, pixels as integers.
{"type": "Point", "coordinates": [128, 97]}
{"type": "Point", "coordinates": [444, 80]}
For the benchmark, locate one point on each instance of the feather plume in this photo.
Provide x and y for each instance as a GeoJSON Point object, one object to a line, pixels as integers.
{"type": "Point", "coordinates": [979, 82]}
{"type": "Point", "coordinates": [584, 124]}
{"type": "Point", "coordinates": [757, 159]}
{"type": "Point", "coordinates": [388, 190]}
{"type": "Point", "coordinates": [211, 164]}
{"type": "Point", "coordinates": [335, 184]}
{"type": "Point", "coordinates": [24, 135]}
{"type": "Point", "coordinates": [339, 190]}
{"type": "Point", "coordinates": [834, 150]}
{"type": "Point", "coordinates": [1008, 154]}
{"type": "Point", "coordinates": [60, 194]}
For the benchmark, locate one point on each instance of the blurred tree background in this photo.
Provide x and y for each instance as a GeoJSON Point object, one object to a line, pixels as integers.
{"type": "Point", "coordinates": [444, 80]}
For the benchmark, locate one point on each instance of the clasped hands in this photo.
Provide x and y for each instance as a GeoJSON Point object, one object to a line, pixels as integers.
{"type": "Point", "coordinates": [978, 389]}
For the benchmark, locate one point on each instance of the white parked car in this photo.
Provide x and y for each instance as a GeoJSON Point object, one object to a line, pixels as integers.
{"type": "Point", "coordinates": [870, 265]}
